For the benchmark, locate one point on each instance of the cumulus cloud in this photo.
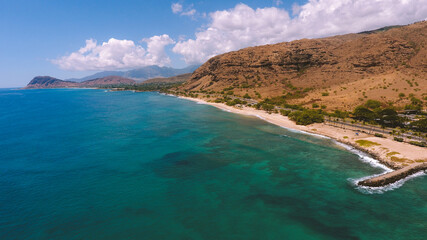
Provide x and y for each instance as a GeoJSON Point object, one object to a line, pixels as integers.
{"type": "Point", "coordinates": [190, 12]}
{"type": "Point", "coordinates": [243, 26]}
{"type": "Point", "coordinates": [278, 2]}
{"type": "Point", "coordinates": [231, 30]}
{"type": "Point", "coordinates": [296, 9]}
{"type": "Point", "coordinates": [176, 8]}
{"type": "Point", "coordinates": [117, 54]}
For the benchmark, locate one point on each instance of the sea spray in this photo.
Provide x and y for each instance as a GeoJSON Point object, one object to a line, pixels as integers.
{"type": "Point", "coordinates": [364, 157]}
{"type": "Point", "coordinates": [383, 189]}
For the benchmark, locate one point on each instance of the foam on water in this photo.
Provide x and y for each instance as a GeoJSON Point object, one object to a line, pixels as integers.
{"type": "Point", "coordinates": [376, 164]}
{"type": "Point", "coordinates": [364, 157]}
{"type": "Point", "coordinates": [293, 130]}
{"type": "Point", "coordinates": [383, 189]}
{"type": "Point", "coordinates": [305, 132]}
{"type": "Point", "coordinates": [258, 116]}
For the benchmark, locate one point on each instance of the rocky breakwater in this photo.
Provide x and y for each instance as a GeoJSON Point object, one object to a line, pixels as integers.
{"type": "Point", "coordinates": [394, 176]}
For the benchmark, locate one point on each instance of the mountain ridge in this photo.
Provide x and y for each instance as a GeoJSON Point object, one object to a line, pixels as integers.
{"type": "Point", "coordinates": [338, 72]}
{"type": "Point", "coordinates": [175, 79]}
{"type": "Point", "coordinates": [51, 82]}
{"type": "Point", "coordinates": [140, 74]}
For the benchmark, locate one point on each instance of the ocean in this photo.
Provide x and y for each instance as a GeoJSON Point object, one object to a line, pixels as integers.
{"type": "Point", "coordinates": [93, 164]}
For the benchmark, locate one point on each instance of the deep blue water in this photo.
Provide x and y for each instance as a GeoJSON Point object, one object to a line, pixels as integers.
{"type": "Point", "coordinates": [89, 164]}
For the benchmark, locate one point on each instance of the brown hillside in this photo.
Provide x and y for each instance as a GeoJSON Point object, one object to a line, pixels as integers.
{"type": "Point", "coordinates": [49, 82]}
{"type": "Point", "coordinates": [109, 80]}
{"type": "Point", "coordinates": [174, 79]}
{"type": "Point", "coordinates": [339, 72]}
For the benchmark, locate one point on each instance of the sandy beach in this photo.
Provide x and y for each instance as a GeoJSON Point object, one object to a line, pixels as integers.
{"type": "Point", "coordinates": [395, 155]}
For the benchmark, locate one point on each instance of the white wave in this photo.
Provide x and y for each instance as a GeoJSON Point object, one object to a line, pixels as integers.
{"type": "Point", "coordinates": [364, 157]}
{"type": "Point", "coordinates": [291, 129]}
{"type": "Point", "coordinates": [305, 132]}
{"type": "Point", "coordinates": [258, 116]}
{"type": "Point", "coordinates": [383, 189]}
{"type": "Point", "coordinates": [315, 134]}
{"type": "Point", "coordinates": [168, 94]}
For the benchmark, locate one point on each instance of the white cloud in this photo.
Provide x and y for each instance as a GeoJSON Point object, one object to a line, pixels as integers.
{"type": "Point", "coordinates": [176, 8]}
{"type": "Point", "coordinates": [296, 9]}
{"type": "Point", "coordinates": [243, 26]}
{"type": "Point", "coordinates": [156, 49]}
{"type": "Point", "coordinates": [278, 2]}
{"type": "Point", "coordinates": [190, 12]}
{"type": "Point", "coordinates": [117, 54]}
{"type": "Point", "coordinates": [231, 30]}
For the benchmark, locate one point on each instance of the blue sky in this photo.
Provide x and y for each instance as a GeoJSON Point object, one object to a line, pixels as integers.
{"type": "Point", "coordinates": [44, 37]}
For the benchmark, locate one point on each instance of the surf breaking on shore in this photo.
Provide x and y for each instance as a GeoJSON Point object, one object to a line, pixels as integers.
{"type": "Point", "coordinates": [376, 156]}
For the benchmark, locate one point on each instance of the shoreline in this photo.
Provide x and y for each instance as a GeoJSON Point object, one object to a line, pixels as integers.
{"type": "Point", "coordinates": [395, 156]}
{"type": "Point", "coordinates": [384, 153]}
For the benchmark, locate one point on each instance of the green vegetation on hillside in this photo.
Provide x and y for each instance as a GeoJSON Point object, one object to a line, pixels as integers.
{"type": "Point", "coordinates": [306, 117]}
{"type": "Point", "coordinates": [366, 143]}
{"type": "Point", "coordinates": [144, 87]}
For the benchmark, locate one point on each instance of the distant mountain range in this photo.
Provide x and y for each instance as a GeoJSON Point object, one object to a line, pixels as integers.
{"type": "Point", "coordinates": [50, 82]}
{"type": "Point", "coordinates": [140, 74]}
{"type": "Point", "coordinates": [150, 73]}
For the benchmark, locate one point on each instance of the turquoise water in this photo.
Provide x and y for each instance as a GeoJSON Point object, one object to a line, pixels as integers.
{"type": "Point", "coordinates": [89, 164]}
